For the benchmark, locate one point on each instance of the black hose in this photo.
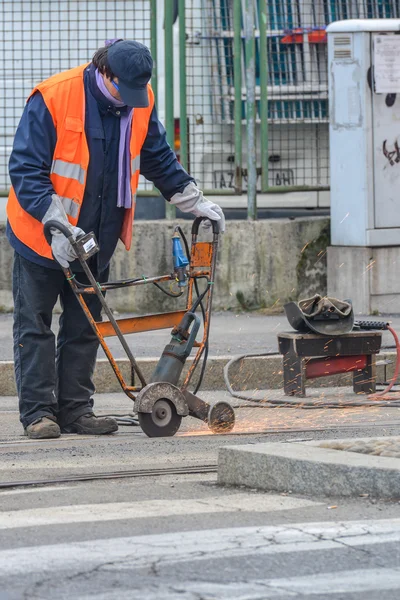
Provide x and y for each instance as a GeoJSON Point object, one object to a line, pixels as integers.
{"type": "Point", "coordinates": [171, 294]}
{"type": "Point", "coordinates": [131, 420]}
{"type": "Point", "coordinates": [294, 402]}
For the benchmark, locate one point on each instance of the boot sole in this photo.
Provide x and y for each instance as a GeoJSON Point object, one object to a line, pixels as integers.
{"type": "Point", "coordinates": [87, 431]}
{"type": "Point", "coordinates": [43, 436]}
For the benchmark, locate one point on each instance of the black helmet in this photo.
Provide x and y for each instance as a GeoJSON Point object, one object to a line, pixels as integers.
{"type": "Point", "coordinates": [320, 314]}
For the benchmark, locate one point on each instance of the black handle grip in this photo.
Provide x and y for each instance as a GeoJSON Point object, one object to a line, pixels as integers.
{"type": "Point", "coordinates": [57, 225]}
{"type": "Point", "coordinates": [371, 325]}
{"type": "Point", "coordinates": [198, 220]}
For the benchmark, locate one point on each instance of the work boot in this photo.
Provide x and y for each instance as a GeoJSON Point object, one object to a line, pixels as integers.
{"type": "Point", "coordinates": [43, 428]}
{"type": "Point", "coordinates": [89, 424]}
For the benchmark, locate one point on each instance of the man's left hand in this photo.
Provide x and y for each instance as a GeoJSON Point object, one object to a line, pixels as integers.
{"type": "Point", "coordinates": [192, 200]}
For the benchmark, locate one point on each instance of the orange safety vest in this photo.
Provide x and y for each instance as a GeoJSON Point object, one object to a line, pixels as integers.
{"type": "Point", "coordinates": [64, 96]}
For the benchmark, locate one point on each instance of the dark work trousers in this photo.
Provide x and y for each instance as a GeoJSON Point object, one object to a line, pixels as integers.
{"type": "Point", "coordinates": [52, 380]}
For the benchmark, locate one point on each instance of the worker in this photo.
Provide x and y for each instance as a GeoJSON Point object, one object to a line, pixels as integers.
{"type": "Point", "coordinates": [84, 137]}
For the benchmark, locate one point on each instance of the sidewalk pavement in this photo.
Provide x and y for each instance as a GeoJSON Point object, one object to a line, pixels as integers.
{"type": "Point", "coordinates": [231, 334]}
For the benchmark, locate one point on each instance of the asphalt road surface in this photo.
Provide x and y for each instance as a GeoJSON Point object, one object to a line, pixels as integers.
{"type": "Point", "coordinates": [181, 536]}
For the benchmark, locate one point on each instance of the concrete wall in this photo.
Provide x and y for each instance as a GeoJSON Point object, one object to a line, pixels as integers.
{"type": "Point", "coordinates": [369, 276]}
{"type": "Point", "coordinates": [260, 264]}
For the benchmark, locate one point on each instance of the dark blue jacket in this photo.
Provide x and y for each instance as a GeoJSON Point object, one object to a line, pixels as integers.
{"type": "Point", "coordinates": [32, 155]}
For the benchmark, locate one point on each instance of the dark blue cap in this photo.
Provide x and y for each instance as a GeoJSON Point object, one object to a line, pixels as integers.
{"type": "Point", "coordinates": [132, 63]}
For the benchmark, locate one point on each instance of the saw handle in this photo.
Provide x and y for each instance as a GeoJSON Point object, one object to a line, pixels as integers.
{"type": "Point", "coordinates": [57, 225]}
{"type": "Point", "coordinates": [198, 220]}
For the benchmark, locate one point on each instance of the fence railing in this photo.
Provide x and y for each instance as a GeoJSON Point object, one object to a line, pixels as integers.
{"type": "Point", "coordinates": [255, 91]}
{"type": "Point", "coordinates": [241, 84]}
{"type": "Point", "coordinates": [40, 38]}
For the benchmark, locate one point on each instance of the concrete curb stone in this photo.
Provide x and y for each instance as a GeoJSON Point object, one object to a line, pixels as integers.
{"type": "Point", "coordinates": [250, 374]}
{"type": "Point", "coordinates": [308, 468]}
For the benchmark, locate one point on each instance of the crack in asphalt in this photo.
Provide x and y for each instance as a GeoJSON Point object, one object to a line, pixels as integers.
{"type": "Point", "coordinates": [35, 591]}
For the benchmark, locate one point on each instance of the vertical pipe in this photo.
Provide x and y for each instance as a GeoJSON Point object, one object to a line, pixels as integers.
{"type": "Point", "coordinates": [250, 110]}
{"type": "Point", "coordinates": [182, 85]}
{"type": "Point", "coordinates": [153, 45]}
{"type": "Point", "coordinates": [169, 84]}
{"type": "Point", "coordinates": [264, 95]}
{"type": "Point", "coordinates": [237, 79]}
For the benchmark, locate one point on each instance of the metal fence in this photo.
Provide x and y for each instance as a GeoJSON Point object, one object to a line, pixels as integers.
{"type": "Point", "coordinates": [42, 37]}
{"type": "Point", "coordinates": [261, 65]}
{"type": "Point", "coordinates": [242, 84]}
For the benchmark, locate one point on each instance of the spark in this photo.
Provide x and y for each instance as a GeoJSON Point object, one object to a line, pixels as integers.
{"type": "Point", "coordinates": [323, 254]}
{"type": "Point", "coordinates": [345, 217]}
{"type": "Point", "coordinates": [304, 247]}
{"type": "Point", "coordinates": [370, 266]}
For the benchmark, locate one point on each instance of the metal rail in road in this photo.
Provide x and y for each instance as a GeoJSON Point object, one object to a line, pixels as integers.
{"type": "Point", "coordinates": [209, 468]}
{"type": "Point", "coordinates": [185, 470]}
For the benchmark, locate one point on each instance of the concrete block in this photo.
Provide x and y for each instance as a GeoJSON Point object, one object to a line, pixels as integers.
{"type": "Point", "coordinates": [257, 264]}
{"type": "Point", "coordinates": [7, 380]}
{"type": "Point", "coordinates": [385, 304]}
{"type": "Point", "coordinates": [385, 270]}
{"type": "Point", "coordinates": [305, 468]}
{"type": "Point", "coordinates": [349, 275]}
{"type": "Point", "coordinates": [369, 276]}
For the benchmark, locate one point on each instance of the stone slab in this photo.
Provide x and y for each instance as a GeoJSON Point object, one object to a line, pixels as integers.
{"type": "Point", "coordinates": [366, 275]}
{"type": "Point", "coordinates": [349, 276]}
{"type": "Point", "coordinates": [307, 468]}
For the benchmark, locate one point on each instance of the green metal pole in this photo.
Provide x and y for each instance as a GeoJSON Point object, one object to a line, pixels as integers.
{"type": "Point", "coordinates": [264, 95]}
{"type": "Point", "coordinates": [169, 85]}
{"type": "Point", "coordinates": [182, 85]}
{"type": "Point", "coordinates": [237, 79]}
{"type": "Point", "coordinates": [153, 45]}
{"type": "Point", "coordinates": [250, 47]}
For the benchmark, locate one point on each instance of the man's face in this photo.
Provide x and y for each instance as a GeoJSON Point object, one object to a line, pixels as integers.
{"type": "Point", "coordinates": [109, 83]}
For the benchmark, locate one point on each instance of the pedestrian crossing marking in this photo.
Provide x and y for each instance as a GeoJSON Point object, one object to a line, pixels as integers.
{"type": "Point", "coordinates": [90, 513]}
{"type": "Point", "coordinates": [172, 548]}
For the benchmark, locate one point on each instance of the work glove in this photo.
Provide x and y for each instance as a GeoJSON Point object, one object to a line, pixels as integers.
{"type": "Point", "coordinates": [192, 200]}
{"type": "Point", "coordinates": [62, 250]}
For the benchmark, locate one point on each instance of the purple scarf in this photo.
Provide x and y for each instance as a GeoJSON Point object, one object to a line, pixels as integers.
{"type": "Point", "coordinates": [124, 158]}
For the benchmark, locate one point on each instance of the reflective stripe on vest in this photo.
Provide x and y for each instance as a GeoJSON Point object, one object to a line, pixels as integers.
{"type": "Point", "coordinates": [70, 206]}
{"type": "Point", "coordinates": [135, 164]}
{"type": "Point", "coordinates": [69, 170]}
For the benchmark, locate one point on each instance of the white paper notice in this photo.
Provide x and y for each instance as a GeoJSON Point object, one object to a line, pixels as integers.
{"type": "Point", "coordinates": [387, 64]}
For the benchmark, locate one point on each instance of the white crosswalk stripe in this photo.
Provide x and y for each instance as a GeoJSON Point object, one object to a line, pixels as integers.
{"type": "Point", "coordinates": [188, 565]}
{"type": "Point", "coordinates": [322, 585]}
{"type": "Point", "coordinates": [172, 548]}
{"type": "Point", "coordinates": [88, 513]}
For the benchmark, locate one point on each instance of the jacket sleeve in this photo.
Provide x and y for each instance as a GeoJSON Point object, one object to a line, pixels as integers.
{"type": "Point", "coordinates": [158, 162]}
{"type": "Point", "coordinates": [31, 158]}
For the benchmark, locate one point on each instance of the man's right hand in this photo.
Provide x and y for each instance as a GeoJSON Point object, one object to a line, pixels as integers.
{"type": "Point", "coordinates": [62, 250]}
